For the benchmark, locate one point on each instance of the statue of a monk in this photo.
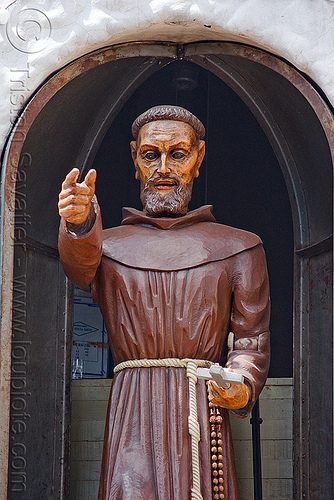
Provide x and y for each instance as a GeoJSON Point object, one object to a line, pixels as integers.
{"type": "Point", "coordinates": [171, 285]}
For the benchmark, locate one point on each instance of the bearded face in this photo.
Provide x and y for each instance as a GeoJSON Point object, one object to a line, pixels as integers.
{"type": "Point", "coordinates": [171, 203]}
{"type": "Point", "coordinates": [167, 157]}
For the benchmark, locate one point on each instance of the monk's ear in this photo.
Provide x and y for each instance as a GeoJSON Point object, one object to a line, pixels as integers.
{"type": "Point", "coordinates": [133, 146]}
{"type": "Point", "coordinates": [201, 153]}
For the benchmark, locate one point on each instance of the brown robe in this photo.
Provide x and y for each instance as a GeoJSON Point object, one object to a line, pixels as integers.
{"type": "Point", "coordinates": [171, 287]}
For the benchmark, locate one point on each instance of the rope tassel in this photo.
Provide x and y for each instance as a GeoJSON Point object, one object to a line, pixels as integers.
{"type": "Point", "coordinates": [194, 430]}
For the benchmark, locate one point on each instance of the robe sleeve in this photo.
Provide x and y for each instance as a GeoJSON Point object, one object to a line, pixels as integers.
{"type": "Point", "coordinates": [80, 254]}
{"type": "Point", "coordinates": [249, 349]}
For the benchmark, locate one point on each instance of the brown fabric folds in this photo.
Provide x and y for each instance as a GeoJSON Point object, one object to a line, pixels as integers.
{"type": "Point", "coordinates": [183, 312]}
{"type": "Point", "coordinates": [185, 242]}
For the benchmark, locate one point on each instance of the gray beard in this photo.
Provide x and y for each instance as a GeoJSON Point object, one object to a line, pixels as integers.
{"type": "Point", "coordinates": [174, 203]}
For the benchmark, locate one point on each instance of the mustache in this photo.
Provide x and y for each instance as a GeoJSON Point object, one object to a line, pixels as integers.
{"type": "Point", "coordinates": [169, 205]}
{"type": "Point", "coordinates": [158, 177]}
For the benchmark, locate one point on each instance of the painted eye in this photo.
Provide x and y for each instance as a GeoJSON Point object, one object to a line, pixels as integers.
{"type": "Point", "coordinates": [150, 155]}
{"type": "Point", "coordinates": [178, 155]}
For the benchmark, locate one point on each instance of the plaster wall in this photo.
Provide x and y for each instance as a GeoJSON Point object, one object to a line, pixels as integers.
{"type": "Point", "coordinates": [38, 37]}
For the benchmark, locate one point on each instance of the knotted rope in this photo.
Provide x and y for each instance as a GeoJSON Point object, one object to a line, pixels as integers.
{"type": "Point", "coordinates": [193, 424]}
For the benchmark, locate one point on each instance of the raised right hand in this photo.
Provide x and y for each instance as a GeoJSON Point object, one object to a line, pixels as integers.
{"type": "Point", "coordinates": [75, 198]}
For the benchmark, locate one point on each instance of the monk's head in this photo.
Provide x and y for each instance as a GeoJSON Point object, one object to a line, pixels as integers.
{"type": "Point", "coordinates": [167, 153]}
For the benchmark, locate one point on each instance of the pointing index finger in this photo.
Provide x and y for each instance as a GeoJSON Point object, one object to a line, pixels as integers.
{"type": "Point", "coordinates": [90, 178]}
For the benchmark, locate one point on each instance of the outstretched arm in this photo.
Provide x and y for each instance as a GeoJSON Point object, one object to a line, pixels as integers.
{"type": "Point", "coordinates": [80, 233]}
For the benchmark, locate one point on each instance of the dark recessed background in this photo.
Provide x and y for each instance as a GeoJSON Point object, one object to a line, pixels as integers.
{"type": "Point", "coordinates": [240, 177]}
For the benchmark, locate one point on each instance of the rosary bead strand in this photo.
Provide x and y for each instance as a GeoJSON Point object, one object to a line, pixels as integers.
{"type": "Point", "coordinates": [217, 465]}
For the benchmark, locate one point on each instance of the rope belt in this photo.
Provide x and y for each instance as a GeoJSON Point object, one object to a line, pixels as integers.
{"type": "Point", "coordinates": [193, 424]}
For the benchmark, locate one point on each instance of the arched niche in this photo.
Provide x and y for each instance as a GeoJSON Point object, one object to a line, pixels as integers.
{"type": "Point", "coordinates": [64, 125]}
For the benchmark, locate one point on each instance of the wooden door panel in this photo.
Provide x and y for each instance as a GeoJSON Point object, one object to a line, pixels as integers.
{"type": "Point", "coordinates": [40, 384]}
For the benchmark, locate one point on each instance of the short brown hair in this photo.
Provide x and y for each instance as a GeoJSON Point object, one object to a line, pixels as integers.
{"type": "Point", "coordinates": [168, 112]}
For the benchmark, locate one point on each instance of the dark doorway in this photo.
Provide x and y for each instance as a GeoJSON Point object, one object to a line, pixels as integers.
{"type": "Point", "coordinates": [73, 120]}
{"type": "Point", "coordinates": [240, 177]}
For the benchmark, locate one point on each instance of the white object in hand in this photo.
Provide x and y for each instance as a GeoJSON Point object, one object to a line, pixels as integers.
{"type": "Point", "coordinates": [222, 376]}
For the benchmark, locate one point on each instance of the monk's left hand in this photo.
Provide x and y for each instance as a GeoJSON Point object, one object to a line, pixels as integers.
{"type": "Point", "coordinates": [233, 398]}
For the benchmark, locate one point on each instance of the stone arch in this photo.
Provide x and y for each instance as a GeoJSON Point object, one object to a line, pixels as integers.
{"type": "Point", "coordinates": [64, 124]}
